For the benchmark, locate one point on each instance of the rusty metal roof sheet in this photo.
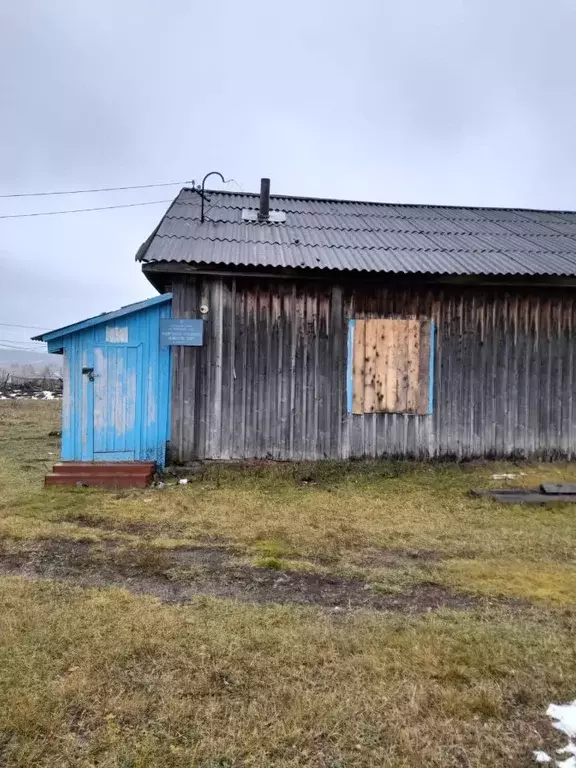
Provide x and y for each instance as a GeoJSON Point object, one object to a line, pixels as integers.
{"type": "Point", "coordinates": [357, 236]}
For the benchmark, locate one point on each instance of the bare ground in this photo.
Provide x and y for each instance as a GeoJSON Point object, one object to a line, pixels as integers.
{"type": "Point", "coordinates": [179, 575]}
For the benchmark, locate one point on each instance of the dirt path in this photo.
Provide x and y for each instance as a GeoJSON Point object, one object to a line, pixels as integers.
{"type": "Point", "coordinates": [179, 575]}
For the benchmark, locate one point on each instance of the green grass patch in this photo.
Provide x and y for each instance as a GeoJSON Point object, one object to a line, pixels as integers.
{"type": "Point", "coordinates": [274, 563]}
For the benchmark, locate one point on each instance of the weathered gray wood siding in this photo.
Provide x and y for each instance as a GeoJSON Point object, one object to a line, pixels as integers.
{"type": "Point", "coordinates": [270, 381]}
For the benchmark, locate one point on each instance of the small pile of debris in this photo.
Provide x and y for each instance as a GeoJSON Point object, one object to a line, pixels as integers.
{"type": "Point", "coordinates": [32, 389]}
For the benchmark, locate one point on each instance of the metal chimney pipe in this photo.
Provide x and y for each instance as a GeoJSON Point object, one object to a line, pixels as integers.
{"type": "Point", "coordinates": [264, 200]}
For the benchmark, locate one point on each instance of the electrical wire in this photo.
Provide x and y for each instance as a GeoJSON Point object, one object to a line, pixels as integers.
{"type": "Point", "coordinates": [17, 342]}
{"type": "Point", "coordinates": [81, 210]}
{"type": "Point", "coordinates": [226, 183]}
{"type": "Point", "coordinates": [20, 348]}
{"type": "Point", "coordinates": [101, 189]}
{"type": "Point", "coordinates": [15, 325]}
{"type": "Point", "coordinates": [239, 187]}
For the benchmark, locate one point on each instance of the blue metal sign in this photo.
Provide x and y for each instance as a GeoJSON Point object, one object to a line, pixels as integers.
{"type": "Point", "coordinates": [175, 331]}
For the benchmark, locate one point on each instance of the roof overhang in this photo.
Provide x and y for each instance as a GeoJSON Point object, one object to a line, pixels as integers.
{"type": "Point", "coordinates": [53, 337]}
{"type": "Point", "coordinates": [162, 274]}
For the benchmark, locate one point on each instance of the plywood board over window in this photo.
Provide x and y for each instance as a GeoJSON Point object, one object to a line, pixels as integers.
{"type": "Point", "coordinates": [390, 366]}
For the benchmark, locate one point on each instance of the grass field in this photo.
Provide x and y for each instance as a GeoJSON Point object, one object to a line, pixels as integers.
{"type": "Point", "coordinates": [337, 615]}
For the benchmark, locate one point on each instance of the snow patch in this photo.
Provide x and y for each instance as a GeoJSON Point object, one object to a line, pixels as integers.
{"type": "Point", "coordinates": [27, 394]}
{"type": "Point", "coordinates": [563, 718]}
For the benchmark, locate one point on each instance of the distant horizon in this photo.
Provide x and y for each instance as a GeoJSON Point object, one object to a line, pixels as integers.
{"type": "Point", "coordinates": [19, 358]}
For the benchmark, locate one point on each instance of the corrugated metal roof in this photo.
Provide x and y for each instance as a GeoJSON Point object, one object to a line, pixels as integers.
{"type": "Point", "coordinates": [374, 237]}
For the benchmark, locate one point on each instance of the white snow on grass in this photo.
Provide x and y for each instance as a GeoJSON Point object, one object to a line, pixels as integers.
{"type": "Point", "coordinates": [18, 394]}
{"type": "Point", "coordinates": [563, 718]}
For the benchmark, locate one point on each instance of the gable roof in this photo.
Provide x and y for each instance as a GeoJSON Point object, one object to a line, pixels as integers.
{"type": "Point", "coordinates": [361, 236]}
{"type": "Point", "coordinates": [105, 317]}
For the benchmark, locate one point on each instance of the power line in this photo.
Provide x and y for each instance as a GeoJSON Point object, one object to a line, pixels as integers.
{"type": "Point", "coordinates": [82, 210]}
{"type": "Point", "coordinates": [15, 325]}
{"type": "Point", "coordinates": [15, 342]}
{"type": "Point", "coordinates": [239, 187]}
{"type": "Point", "coordinates": [226, 183]}
{"type": "Point", "coordinates": [101, 189]}
{"type": "Point", "coordinates": [20, 348]}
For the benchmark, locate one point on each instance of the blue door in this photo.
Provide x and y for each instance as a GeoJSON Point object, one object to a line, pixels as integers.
{"type": "Point", "coordinates": [117, 381]}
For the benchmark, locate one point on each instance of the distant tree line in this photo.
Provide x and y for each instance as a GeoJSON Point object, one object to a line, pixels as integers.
{"type": "Point", "coordinates": [30, 371]}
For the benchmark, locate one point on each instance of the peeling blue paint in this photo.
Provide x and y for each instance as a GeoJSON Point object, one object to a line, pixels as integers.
{"type": "Point", "coordinates": [349, 367]}
{"type": "Point", "coordinates": [117, 334]}
{"type": "Point", "coordinates": [117, 393]}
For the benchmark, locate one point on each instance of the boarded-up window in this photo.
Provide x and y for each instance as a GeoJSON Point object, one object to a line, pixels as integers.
{"type": "Point", "coordinates": [390, 366]}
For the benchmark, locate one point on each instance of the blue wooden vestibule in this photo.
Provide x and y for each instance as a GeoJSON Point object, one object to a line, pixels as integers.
{"type": "Point", "coordinates": [116, 404]}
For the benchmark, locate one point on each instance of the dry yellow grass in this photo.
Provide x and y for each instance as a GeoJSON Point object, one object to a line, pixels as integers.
{"type": "Point", "coordinates": [98, 677]}
{"type": "Point", "coordinates": [544, 583]}
{"type": "Point", "coordinates": [338, 512]}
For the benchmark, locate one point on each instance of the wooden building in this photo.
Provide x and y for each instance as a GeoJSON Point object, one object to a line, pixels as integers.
{"type": "Point", "coordinates": [116, 399]}
{"type": "Point", "coordinates": [336, 329]}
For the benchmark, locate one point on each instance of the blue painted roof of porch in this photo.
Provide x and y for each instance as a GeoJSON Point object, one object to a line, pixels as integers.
{"type": "Point", "coordinates": [102, 318]}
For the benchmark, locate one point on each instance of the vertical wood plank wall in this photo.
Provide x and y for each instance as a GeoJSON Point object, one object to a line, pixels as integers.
{"type": "Point", "coordinates": [270, 381]}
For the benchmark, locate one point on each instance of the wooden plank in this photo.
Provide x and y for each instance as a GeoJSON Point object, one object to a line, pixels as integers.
{"type": "Point", "coordinates": [370, 351]}
{"type": "Point", "coordinates": [358, 366]}
{"type": "Point", "coordinates": [412, 398]}
{"type": "Point", "coordinates": [424, 368]}
{"type": "Point", "coordinates": [240, 374]}
{"type": "Point", "coordinates": [389, 355]}
{"type": "Point", "coordinates": [299, 414]}
{"type": "Point", "coordinates": [392, 366]}
{"type": "Point", "coordinates": [336, 365]}
{"type": "Point", "coordinates": [382, 356]}
{"type": "Point", "coordinates": [401, 404]}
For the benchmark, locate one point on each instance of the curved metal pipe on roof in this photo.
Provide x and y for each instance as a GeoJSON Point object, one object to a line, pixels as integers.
{"type": "Point", "coordinates": [211, 173]}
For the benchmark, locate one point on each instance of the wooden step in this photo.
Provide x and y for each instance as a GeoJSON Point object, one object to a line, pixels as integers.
{"type": "Point", "coordinates": [105, 474]}
{"type": "Point", "coordinates": [102, 479]}
{"type": "Point", "coordinates": [97, 467]}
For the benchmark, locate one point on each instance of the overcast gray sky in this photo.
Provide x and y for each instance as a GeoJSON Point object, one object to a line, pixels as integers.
{"type": "Point", "coordinates": [452, 101]}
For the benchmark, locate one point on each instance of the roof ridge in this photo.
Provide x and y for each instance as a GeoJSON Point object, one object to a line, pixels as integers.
{"type": "Point", "coordinates": [348, 201]}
